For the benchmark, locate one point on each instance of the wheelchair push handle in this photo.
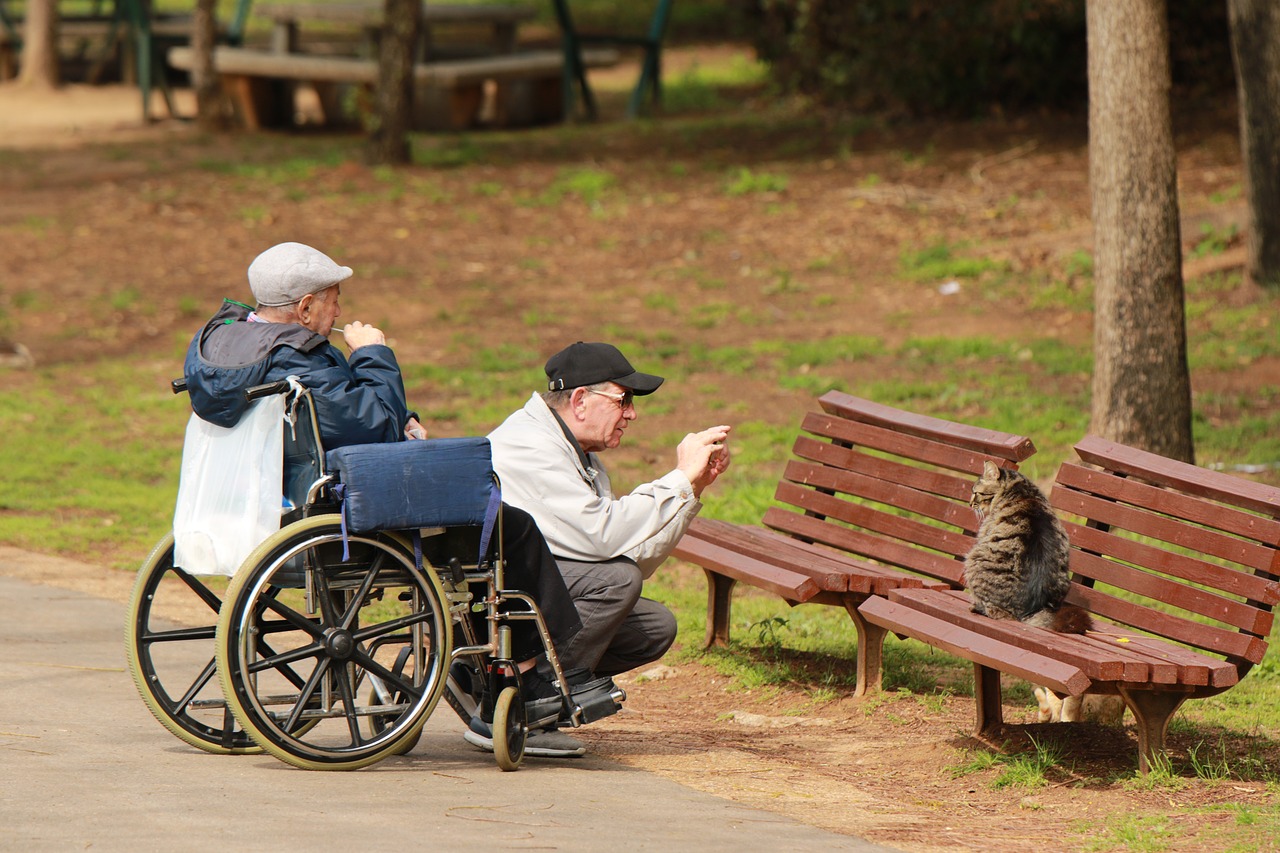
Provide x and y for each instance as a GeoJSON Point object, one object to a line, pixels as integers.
{"type": "Point", "coordinates": [250, 394]}
{"type": "Point", "coordinates": [259, 391]}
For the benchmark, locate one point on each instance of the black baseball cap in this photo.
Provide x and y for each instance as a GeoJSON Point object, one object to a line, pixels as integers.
{"type": "Point", "coordinates": [590, 363]}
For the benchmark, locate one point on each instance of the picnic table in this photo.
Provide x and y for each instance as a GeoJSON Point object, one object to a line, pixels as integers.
{"type": "Point", "coordinates": [458, 83]}
{"type": "Point", "coordinates": [501, 21]}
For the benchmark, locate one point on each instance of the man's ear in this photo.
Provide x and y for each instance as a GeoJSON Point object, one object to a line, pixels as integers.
{"type": "Point", "coordinates": [303, 307]}
{"type": "Point", "coordinates": [577, 402]}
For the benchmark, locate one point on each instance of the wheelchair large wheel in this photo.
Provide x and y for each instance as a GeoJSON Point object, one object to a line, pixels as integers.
{"type": "Point", "coordinates": [293, 665]}
{"type": "Point", "coordinates": [173, 667]}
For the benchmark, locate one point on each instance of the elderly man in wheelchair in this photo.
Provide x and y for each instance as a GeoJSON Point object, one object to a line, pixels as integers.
{"type": "Point", "coordinates": [382, 574]}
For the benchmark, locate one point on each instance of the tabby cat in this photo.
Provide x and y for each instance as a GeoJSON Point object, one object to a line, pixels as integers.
{"type": "Point", "coordinates": [1018, 565]}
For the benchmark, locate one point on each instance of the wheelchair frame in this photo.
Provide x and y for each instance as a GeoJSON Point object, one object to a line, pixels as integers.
{"type": "Point", "coordinates": [313, 618]}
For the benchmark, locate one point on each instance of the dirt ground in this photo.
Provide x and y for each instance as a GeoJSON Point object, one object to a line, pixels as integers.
{"type": "Point", "coordinates": [876, 767]}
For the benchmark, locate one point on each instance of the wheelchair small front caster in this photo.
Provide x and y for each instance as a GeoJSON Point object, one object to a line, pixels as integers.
{"type": "Point", "coordinates": [509, 729]}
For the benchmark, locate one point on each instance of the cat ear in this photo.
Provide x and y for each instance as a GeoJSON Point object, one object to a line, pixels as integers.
{"type": "Point", "coordinates": [990, 469]}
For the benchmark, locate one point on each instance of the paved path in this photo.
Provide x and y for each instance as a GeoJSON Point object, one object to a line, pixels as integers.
{"type": "Point", "coordinates": [84, 766]}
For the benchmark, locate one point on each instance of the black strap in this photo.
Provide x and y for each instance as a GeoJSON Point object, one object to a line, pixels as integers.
{"type": "Point", "coordinates": [573, 441]}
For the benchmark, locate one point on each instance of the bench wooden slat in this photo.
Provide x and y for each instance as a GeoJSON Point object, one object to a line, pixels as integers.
{"type": "Point", "coordinates": [1191, 479]}
{"type": "Point", "coordinates": [827, 571]}
{"type": "Point", "coordinates": [1097, 648]}
{"type": "Point", "coordinates": [1167, 663]}
{"type": "Point", "coordinates": [1098, 661]}
{"type": "Point", "coordinates": [1130, 491]}
{"type": "Point", "coordinates": [1165, 586]}
{"type": "Point", "coordinates": [936, 494]}
{"type": "Point", "coordinates": [875, 520]}
{"type": "Point", "coordinates": [1231, 644]}
{"type": "Point", "coordinates": [1165, 528]}
{"type": "Point", "coordinates": [1099, 653]}
{"type": "Point", "coordinates": [980, 648]}
{"type": "Point", "coordinates": [1182, 566]}
{"type": "Point", "coordinates": [782, 582]}
{"type": "Point", "coordinates": [776, 548]}
{"type": "Point", "coordinates": [887, 551]}
{"type": "Point", "coordinates": [856, 434]}
{"type": "Point", "coordinates": [1013, 448]}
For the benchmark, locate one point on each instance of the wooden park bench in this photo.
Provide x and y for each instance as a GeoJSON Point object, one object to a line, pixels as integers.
{"type": "Point", "coordinates": [877, 499]}
{"type": "Point", "coordinates": [254, 80]}
{"type": "Point", "coordinates": [1180, 567]}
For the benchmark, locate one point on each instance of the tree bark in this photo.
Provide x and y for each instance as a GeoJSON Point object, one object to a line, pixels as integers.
{"type": "Point", "coordinates": [1255, 51]}
{"type": "Point", "coordinates": [389, 133]}
{"type": "Point", "coordinates": [211, 107]}
{"type": "Point", "coordinates": [1141, 385]}
{"type": "Point", "coordinates": [40, 45]}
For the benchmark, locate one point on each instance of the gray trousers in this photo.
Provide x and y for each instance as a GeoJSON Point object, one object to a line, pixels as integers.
{"type": "Point", "coordinates": [620, 630]}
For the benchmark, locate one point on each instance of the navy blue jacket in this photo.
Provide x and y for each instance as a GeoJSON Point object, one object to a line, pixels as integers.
{"type": "Point", "coordinates": [361, 401]}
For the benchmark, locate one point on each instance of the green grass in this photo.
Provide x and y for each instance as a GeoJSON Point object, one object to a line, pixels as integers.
{"type": "Point", "coordinates": [942, 261]}
{"type": "Point", "coordinates": [1021, 770]}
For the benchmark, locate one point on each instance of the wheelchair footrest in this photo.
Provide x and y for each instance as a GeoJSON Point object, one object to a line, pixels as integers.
{"type": "Point", "coordinates": [597, 704]}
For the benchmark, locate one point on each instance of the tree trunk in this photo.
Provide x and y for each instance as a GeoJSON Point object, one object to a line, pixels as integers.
{"type": "Point", "coordinates": [211, 107]}
{"type": "Point", "coordinates": [1141, 385]}
{"type": "Point", "coordinates": [389, 133]}
{"type": "Point", "coordinates": [40, 45]}
{"type": "Point", "coordinates": [1255, 50]}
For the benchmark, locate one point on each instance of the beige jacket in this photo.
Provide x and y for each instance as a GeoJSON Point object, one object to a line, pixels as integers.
{"type": "Point", "coordinates": [574, 505]}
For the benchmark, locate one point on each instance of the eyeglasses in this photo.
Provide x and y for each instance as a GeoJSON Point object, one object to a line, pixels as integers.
{"type": "Point", "coordinates": [625, 400]}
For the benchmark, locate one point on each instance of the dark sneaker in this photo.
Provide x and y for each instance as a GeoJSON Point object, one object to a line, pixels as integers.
{"type": "Point", "coordinates": [540, 743]}
{"type": "Point", "coordinates": [542, 699]}
{"type": "Point", "coordinates": [553, 743]}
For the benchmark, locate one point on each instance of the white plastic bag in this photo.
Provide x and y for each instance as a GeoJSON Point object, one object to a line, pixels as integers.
{"type": "Point", "coordinates": [230, 493]}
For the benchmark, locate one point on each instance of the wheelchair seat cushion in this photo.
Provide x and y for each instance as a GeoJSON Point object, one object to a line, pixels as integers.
{"type": "Point", "coordinates": [441, 482]}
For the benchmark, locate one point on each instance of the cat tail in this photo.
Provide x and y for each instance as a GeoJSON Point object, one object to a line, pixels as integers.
{"type": "Point", "coordinates": [1067, 619]}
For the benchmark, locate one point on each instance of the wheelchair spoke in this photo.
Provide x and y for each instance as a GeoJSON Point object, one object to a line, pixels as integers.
{"type": "Point", "coordinates": [306, 694]}
{"type": "Point", "coordinates": [381, 629]}
{"type": "Point", "coordinates": [291, 616]}
{"type": "Point", "coordinates": [205, 594]}
{"type": "Point", "coordinates": [278, 661]}
{"type": "Point", "coordinates": [178, 635]}
{"type": "Point", "coordinates": [265, 651]}
{"type": "Point", "coordinates": [386, 675]}
{"type": "Point", "coordinates": [199, 684]}
{"type": "Point", "coordinates": [347, 694]}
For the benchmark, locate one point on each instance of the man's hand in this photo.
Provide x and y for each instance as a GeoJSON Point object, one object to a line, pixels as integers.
{"type": "Point", "coordinates": [358, 335]}
{"type": "Point", "coordinates": [414, 430]}
{"type": "Point", "coordinates": [703, 456]}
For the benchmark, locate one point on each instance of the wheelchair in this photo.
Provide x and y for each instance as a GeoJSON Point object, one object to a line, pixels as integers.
{"type": "Point", "coordinates": [333, 643]}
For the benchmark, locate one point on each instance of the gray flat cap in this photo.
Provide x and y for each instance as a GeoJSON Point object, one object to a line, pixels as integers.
{"type": "Point", "coordinates": [287, 272]}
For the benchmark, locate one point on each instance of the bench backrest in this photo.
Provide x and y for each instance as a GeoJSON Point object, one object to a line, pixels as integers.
{"type": "Point", "coordinates": [1192, 555]}
{"type": "Point", "coordinates": [889, 486]}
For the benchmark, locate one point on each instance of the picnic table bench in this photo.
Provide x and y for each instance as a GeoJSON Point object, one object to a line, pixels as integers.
{"type": "Point", "coordinates": [253, 78]}
{"type": "Point", "coordinates": [877, 500]}
{"type": "Point", "coordinates": [1179, 566]}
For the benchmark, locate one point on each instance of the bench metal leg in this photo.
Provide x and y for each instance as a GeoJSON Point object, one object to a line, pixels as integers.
{"type": "Point", "coordinates": [986, 692]}
{"type": "Point", "coordinates": [719, 597]}
{"type": "Point", "coordinates": [870, 654]}
{"type": "Point", "coordinates": [1152, 711]}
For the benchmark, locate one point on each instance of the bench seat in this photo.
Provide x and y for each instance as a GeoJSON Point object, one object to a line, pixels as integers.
{"type": "Point", "coordinates": [253, 77]}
